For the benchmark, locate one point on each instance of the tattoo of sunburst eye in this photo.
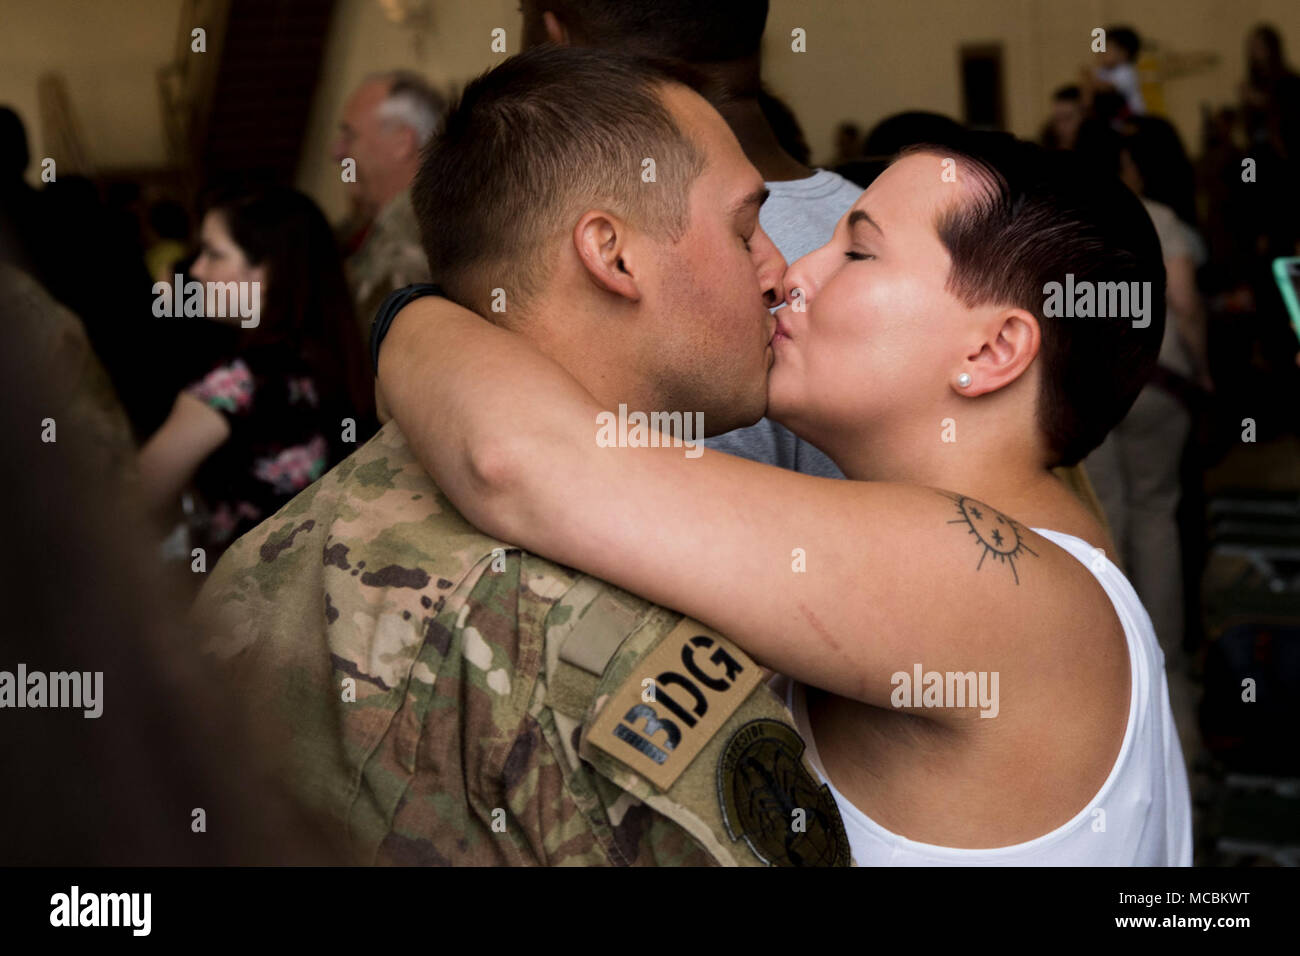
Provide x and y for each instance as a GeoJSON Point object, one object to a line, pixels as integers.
{"type": "Point", "coordinates": [996, 534]}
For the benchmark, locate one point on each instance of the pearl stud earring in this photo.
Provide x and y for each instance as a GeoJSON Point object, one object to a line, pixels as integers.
{"type": "Point", "coordinates": [963, 379]}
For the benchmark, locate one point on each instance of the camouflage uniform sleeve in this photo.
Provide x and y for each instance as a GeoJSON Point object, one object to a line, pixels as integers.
{"type": "Point", "coordinates": [435, 691]}
{"type": "Point", "coordinates": [681, 723]}
{"type": "Point", "coordinates": [464, 758]}
{"type": "Point", "coordinates": [484, 787]}
{"type": "Point", "coordinates": [398, 653]}
{"type": "Point", "coordinates": [259, 615]}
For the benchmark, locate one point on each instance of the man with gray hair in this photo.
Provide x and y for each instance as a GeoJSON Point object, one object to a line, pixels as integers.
{"type": "Point", "coordinates": [385, 124]}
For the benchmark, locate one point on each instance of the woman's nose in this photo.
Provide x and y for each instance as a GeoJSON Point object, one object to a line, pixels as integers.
{"type": "Point", "coordinates": [797, 285]}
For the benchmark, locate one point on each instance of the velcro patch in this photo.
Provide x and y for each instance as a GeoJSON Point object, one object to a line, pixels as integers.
{"type": "Point", "coordinates": [673, 702]}
{"type": "Point", "coordinates": [769, 797]}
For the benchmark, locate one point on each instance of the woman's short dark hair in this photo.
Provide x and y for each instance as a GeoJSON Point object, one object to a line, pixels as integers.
{"type": "Point", "coordinates": [1039, 216]}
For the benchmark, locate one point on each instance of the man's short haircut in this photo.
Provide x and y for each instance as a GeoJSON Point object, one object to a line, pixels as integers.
{"type": "Point", "coordinates": [412, 101]}
{"type": "Point", "coordinates": [1126, 38]}
{"type": "Point", "coordinates": [1037, 215]}
{"type": "Point", "coordinates": [534, 143]}
{"type": "Point", "coordinates": [696, 31]}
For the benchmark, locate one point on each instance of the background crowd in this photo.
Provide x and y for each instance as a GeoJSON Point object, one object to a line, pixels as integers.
{"type": "Point", "coordinates": [210, 426]}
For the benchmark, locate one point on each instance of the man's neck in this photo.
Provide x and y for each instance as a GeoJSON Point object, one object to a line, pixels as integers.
{"type": "Point", "coordinates": [566, 336]}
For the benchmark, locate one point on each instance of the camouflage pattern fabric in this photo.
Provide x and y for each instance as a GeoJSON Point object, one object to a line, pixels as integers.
{"type": "Point", "coordinates": [434, 690]}
{"type": "Point", "coordinates": [391, 257]}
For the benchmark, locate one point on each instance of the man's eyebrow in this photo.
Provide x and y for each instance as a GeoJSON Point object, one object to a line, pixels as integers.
{"type": "Point", "coordinates": [860, 215]}
{"type": "Point", "coordinates": [756, 198]}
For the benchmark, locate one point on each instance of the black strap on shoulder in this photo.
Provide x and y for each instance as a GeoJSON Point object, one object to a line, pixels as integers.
{"type": "Point", "coordinates": [393, 303]}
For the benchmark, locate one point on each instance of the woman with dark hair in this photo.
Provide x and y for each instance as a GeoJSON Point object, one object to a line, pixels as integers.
{"type": "Point", "coordinates": [271, 418]}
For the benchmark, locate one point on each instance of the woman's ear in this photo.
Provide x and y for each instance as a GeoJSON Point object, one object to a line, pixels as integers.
{"type": "Point", "coordinates": [1009, 347]}
{"type": "Point", "coordinates": [600, 239]}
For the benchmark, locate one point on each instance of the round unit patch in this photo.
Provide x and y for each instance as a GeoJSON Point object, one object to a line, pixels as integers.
{"type": "Point", "coordinates": [771, 799]}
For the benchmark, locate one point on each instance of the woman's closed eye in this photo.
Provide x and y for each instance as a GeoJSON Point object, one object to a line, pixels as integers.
{"type": "Point", "coordinates": [858, 256]}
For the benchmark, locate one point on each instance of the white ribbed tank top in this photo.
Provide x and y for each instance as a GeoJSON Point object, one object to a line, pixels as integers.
{"type": "Point", "coordinates": [1146, 801]}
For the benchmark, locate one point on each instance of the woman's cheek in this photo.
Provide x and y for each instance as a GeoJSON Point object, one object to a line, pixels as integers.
{"type": "Point", "coordinates": [852, 315]}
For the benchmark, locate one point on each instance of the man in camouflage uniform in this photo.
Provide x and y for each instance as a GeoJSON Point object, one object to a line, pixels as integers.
{"type": "Point", "coordinates": [389, 258]}
{"type": "Point", "coordinates": [448, 698]}
{"type": "Point", "coordinates": [440, 693]}
{"type": "Point", "coordinates": [385, 123]}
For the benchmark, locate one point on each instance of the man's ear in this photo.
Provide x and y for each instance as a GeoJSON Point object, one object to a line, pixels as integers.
{"type": "Point", "coordinates": [1012, 342]}
{"type": "Point", "coordinates": [410, 142]}
{"type": "Point", "coordinates": [556, 31]}
{"type": "Point", "coordinates": [600, 240]}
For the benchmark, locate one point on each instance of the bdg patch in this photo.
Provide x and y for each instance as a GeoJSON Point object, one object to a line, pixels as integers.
{"type": "Point", "coordinates": [673, 702]}
{"type": "Point", "coordinates": [769, 797]}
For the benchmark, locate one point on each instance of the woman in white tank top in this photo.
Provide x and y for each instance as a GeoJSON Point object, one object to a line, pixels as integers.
{"type": "Point", "coordinates": [951, 343]}
{"type": "Point", "coordinates": [1141, 816]}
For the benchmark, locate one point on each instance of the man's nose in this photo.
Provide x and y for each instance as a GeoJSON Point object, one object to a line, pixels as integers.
{"type": "Point", "coordinates": [771, 267]}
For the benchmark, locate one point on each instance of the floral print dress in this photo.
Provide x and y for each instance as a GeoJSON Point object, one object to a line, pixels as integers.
{"type": "Point", "coordinates": [278, 442]}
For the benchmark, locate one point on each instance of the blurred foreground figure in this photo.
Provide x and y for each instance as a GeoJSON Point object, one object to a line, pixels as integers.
{"type": "Point", "coordinates": [145, 762]}
{"type": "Point", "coordinates": [80, 396]}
